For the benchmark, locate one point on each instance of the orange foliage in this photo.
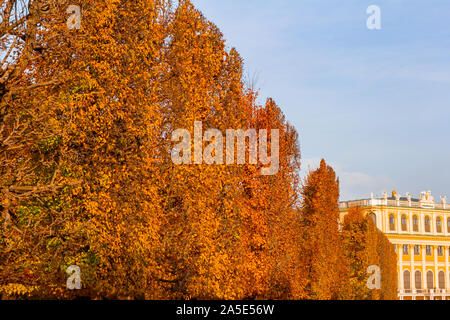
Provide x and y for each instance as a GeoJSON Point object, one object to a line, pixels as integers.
{"type": "Point", "coordinates": [322, 253]}
{"type": "Point", "coordinates": [365, 245]}
{"type": "Point", "coordinates": [87, 178]}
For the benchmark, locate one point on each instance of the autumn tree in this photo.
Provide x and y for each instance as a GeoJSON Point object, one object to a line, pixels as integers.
{"type": "Point", "coordinates": [200, 228]}
{"type": "Point", "coordinates": [101, 119]}
{"type": "Point", "coordinates": [272, 225]}
{"type": "Point", "coordinates": [387, 258]}
{"type": "Point", "coordinates": [364, 246]}
{"type": "Point", "coordinates": [322, 255]}
{"type": "Point", "coordinates": [24, 128]}
{"type": "Point", "coordinates": [114, 102]}
{"type": "Point", "coordinates": [87, 176]}
{"type": "Point", "coordinates": [32, 182]}
{"type": "Point", "coordinates": [360, 247]}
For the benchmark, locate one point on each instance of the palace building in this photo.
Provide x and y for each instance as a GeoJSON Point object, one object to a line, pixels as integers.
{"type": "Point", "coordinates": [419, 229]}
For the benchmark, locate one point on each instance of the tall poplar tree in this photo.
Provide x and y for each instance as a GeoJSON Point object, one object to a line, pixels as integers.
{"type": "Point", "coordinates": [364, 246]}
{"type": "Point", "coordinates": [322, 255]}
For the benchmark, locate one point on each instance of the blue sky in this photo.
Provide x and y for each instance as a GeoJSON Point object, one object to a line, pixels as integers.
{"type": "Point", "coordinates": [374, 103]}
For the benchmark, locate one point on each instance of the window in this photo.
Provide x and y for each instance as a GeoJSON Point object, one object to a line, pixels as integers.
{"type": "Point", "coordinates": [405, 249]}
{"type": "Point", "coordinates": [407, 280]}
{"type": "Point", "coordinates": [438, 225]}
{"type": "Point", "coordinates": [441, 280]}
{"type": "Point", "coordinates": [391, 222]}
{"type": "Point", "coordinates": [430, 282]}
{"type": "Point", "coordinates": [427, 224]}
{"type": "Point", "coordinates": [440, 251]}
{"type": "Point", "coordinates": [418, 280]}
{"type": "Point", "coordinates": [404, 227]}
{"type": "Point", "coordinates": [448, 225]}
{"type": "Point", "coordinates": [373, 217]}
{"type": "Point", "coordinates": [417, 250]}
{"type": "Point", "coordinates": [428, 250]}
{"type": "Point", "coordinates": [416, 224]}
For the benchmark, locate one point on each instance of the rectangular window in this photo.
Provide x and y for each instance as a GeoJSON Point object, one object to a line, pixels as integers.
{"type": "Point", "coordinates": [417, 250]}
{"type": "Point", "coordinates": [391, 222]}
{"type": "Point", "coordinates": [440, 251]}
{"type": "Point", "coordinates": [405, 249]}
{"type": "Point", "coordinates": [404, 228]}
{"type": "Point", "coordinates": [428, 250]}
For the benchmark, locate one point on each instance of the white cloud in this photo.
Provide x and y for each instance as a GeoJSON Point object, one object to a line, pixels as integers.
{"type": "Point", "coordinates": [353, 185]}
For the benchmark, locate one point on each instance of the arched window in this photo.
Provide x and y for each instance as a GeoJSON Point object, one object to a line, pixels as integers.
{"type": "Point", "coordinates": [373, 217]}
{"type": "Point", "coordinates": [416, 224]}
{"type": "Point", "coordinates": [430, 282]}
{"type": "Point", "coordinates": [407, 280]}
{"type": "Point", "coordinates": [427, 224]}
{"type": "Point", "coordinates": [404, 227]}
{"type": "Point", "coordinates": [391, 222]}
{"type": "Point", "coordinates": [441, 280]}
{"type": "Point", "coordinates": [418, 280]}
{"type": "Point", "coordinates": [438, 225]}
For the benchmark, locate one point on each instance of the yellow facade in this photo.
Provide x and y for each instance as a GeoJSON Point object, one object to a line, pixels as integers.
{"type": "Point", "coordinates": [419, 229]}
